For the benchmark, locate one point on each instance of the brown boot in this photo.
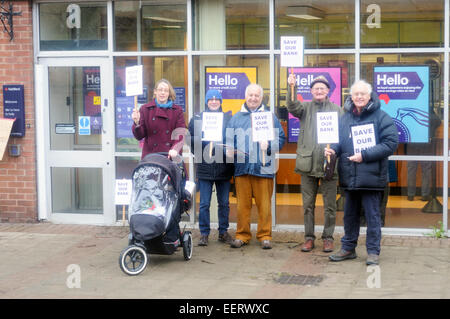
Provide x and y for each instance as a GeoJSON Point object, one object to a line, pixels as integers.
{"type": "Point", "coordinates": [328, 245]}
{"type": "Point", "coordinates": [308, 245]}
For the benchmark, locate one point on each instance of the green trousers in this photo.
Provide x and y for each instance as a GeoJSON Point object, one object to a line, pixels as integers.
{"type": "Point", "coordinates": [310, 188]}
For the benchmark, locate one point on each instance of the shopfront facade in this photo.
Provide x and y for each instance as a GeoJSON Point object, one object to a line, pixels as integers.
{"type": "Point", "coordinates": [82, 114]}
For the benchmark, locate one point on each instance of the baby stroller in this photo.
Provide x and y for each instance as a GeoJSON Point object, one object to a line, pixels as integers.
{"type": "Point", "coordinates": [158, 199]}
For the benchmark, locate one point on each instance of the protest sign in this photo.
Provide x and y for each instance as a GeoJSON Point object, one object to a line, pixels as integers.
{"type": "Point", "coordinates": [133, 80]}
{"type": "Point", "coordinates": [327, 128]}
{"type": "Point", "coordinates": [262, 126]}
{"type": "Point", "coordinates": [291, 51]}
{"type": "Point", "coordinates": [212, 124]}
{"type": "Point", "coordinates": [363, 137]}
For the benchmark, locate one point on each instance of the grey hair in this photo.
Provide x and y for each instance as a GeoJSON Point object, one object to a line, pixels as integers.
{"type": "Point", "coordinates": [254, 85]}
{"type": "Point", "coordinates": [361, 82]}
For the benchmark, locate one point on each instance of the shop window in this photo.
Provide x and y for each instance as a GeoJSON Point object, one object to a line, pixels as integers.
{"type": "Point", "coordinates": [150, 25]}
{"type": "Point", "coordinates": [322, 25]}
{"type": "Point", "coordinates": [154, 69]}
{"type": "Point", "coordinates": [73, 26]}
{"type": "Point", "coordinates": [231, 25]}
{"type": "Point", "coordinates": [402, 24]}
{"type": "Point", "coordinates": [218, 72]}
{"type": "Point", "coordinates": [340, 69]}
{"type": "Point", "coordinates": [419, 117]}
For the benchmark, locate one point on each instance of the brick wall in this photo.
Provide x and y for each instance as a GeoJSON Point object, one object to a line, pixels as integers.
{"type": "Point", "coordinates": [18, 193]}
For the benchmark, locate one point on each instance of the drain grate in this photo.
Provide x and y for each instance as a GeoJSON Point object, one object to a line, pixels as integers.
{"type": "Point", "coordinates": [302, 280]}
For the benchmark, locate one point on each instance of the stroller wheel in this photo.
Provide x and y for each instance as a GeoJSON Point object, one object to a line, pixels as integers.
{"type": "Point", "coordinates": [187, 245]}
{"type": "Point", "coordinates": [133, 260]}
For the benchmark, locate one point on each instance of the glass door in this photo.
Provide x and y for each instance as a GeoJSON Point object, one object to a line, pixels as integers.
{"type": "Point", "coordinates": [77, 129]}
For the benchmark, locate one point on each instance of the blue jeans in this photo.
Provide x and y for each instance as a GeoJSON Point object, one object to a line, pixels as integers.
{"type": "Point", "coordinates": [370, 200]}
{"type": "Point", "coordinates": [223, 195]}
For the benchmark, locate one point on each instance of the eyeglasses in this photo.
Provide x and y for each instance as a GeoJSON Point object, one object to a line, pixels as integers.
{"type": "Point", "coordinates": [320, 89]}
{"type": "Point", "coordinates": [163, 90]}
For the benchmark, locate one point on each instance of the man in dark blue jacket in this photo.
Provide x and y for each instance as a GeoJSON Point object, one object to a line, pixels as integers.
{"type": "Point", "coordinates": [211, 168]}
{"type": "Point", "coordinates": [367, 137]}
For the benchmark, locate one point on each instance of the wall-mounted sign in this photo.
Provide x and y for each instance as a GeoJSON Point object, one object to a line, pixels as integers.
{"type": "Point", "coordinates": [304, 78]}
{"type": "Point", "coordinates": [65, 128]}
{"type": "Point", "coordinates": [84, 125]}
{"type": "Point", "coordinates": [14, 108]}
{"type": "Point", "coordinates": [404, 94]}
{"type": "Point", "coordinates": [180, 97]}
{"type": "Point", "coordinates": [231, 82]}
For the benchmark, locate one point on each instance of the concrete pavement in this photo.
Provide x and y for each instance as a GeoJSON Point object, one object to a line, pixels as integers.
{"type": "Point", "coordinates": [50, 261]}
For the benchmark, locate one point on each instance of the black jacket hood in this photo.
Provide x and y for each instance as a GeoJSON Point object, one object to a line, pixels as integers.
{"type": "Point", "coordinates": [374, 104]}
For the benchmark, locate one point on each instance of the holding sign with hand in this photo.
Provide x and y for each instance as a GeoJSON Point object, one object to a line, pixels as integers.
{"type": "Point", "coordinates": [262, 130]}
{"type": "Point", "coordinates": [327, 129]}
{"type": "Point", "coordinates": [363, 137]}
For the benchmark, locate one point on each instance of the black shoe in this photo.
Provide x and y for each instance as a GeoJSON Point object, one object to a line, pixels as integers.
{"type": "Point", "coordinates": [343, 255]}
{"type": "Point", "coordinates": [410, 198]}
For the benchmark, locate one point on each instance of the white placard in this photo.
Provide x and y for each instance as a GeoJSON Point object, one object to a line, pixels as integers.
{"type": "Point", "coordinates": [363, 137]}
{"type": "Point", "coordinates": [212, 124]}
{"type": "Point", "coordinates": [262, 126]}
{"type": "Point", "coordinates": [133, 79]}
{"type": "Point", "coordinates": [291, 51]}
{"type": "Point", "coordinates": [327, 127]}
{"type": "Point", "coordinates": [123, 191]}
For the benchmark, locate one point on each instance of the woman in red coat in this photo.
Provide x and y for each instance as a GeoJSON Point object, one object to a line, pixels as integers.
{"type": "Point", "coordinates": [160, 123]}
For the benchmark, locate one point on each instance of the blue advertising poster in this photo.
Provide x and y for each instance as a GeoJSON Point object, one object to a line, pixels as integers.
{"type": "Point", "coordinates": [14, 108]}
{"type": "Point", "coordinates": [404, 95]}
{"type": "Point", "coordinates": [124, 108]}
{"type": "Point", "coordinates": [180, 98]}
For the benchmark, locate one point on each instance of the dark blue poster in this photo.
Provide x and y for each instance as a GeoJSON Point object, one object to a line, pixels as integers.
{"type": "Point", "coordinates": [14, 108]}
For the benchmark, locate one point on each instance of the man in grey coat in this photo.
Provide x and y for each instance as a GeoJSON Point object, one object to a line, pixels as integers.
{"type": "Point", "coordinates": [310, 160]}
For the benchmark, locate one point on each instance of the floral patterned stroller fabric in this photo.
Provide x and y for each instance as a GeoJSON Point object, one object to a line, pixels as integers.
{"type": "Point", "coordinates": [156, 200]}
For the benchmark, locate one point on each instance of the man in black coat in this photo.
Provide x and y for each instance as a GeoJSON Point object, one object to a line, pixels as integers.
{"type": "Point", "coordinates": [367, 137]}
{"type": "Point", "coordinates": [211, 168]}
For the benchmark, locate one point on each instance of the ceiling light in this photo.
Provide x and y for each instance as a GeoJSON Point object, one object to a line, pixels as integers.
{"type": "Point", "coordinates": [164, 19]}
{"type": "Point", "coordinates": [304, 12]}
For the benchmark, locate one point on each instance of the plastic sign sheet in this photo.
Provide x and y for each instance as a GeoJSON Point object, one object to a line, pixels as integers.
{"type": "Point", "coordinates": [291, 51]}
{"type": "Point", "coordinates": [262, 126]}
{"type": "Point", "coordinates": [327, 127]}
{"type": "Point", "coordinates": [212, 126]}
{"type": "Point", "coordinates": [363, 137]}
{"type": "Point", "coordinates": [231, 82]}
{"type": "Point", "coordinates": [404, 95]}
{"type": "Point", "coordinates": [304, 77]}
